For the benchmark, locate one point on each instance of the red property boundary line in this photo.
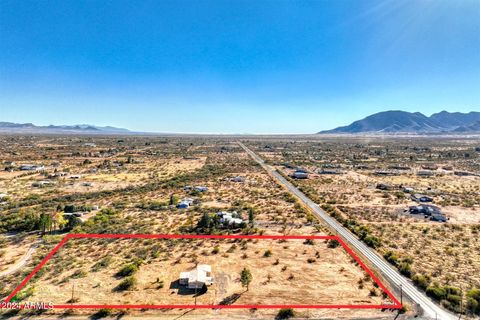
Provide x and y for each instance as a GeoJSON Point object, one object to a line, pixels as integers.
{"type": "Point", "coordinates": [396, 305]}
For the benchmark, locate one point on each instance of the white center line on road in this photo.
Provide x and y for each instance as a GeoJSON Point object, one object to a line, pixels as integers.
{"type": "Point", "coordinates": [430, 308]}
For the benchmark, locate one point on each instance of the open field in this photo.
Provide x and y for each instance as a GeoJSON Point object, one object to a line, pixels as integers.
{"type": "Point", "coordinates": [283, 271]}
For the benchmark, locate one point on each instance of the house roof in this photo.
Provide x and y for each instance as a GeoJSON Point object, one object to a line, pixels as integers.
{"type": "Point", "coordinates": [199, 274]}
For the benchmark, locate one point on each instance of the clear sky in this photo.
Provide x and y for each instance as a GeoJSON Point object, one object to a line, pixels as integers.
{"type": "Point", "coordinates": [227, 66]}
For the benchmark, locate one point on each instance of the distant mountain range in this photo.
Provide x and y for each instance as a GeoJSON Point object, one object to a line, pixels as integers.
{"type": "Point", "coordinates": [392, 122]}
{"type": "Point", "coordinates": [10, 127]}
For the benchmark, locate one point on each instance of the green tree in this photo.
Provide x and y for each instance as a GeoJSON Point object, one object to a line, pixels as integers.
{"type": "Point", "coordinates": [245, 278]}
{"type": "Point", "coordinates": [173, 200]}
{"type": "Point", "coordinates": [72, 222]}
{"type": "Point", "coordinates": [45, 222]}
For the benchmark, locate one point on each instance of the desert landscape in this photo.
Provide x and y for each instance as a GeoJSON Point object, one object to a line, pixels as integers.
{"type": "Point", "coordinates": [152, 185]}
{"type": "Point", "coordinates": [373, 188]}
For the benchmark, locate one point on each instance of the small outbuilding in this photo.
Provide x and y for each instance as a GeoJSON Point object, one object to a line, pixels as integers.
{"type": "Point", "coordinates": [300, 175]}
{"type": "Point", "coordinates": [421, 198]}
{"type": "Point", "coordinates": [425, 173]}
{"type": "Point", "coordinates": [31, 167]}
{"type": "Point", "coordinates": [384, 186]}
{"type": "Point", "coordinates": [238, 179]}
{"type": "Point", "coordinates": [230, 218]}
{"type": "Point", "coordinates": [330, 171]}
{"type": "Point", "coordinates": [426, 210]}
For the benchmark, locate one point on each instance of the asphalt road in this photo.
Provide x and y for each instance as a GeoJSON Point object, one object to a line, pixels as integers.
{"type": "Point", "coordinates": [430, 308]}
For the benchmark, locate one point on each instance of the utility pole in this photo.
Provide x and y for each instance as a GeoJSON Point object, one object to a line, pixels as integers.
{"type": "Point", "coordinates": [73, 293]}
{"type": "Point", "coordinates": [195, 293]}
{"type": "Point", "coordinates": [401, 294]}
{"type": "Point", "coordinates": [461, 303]}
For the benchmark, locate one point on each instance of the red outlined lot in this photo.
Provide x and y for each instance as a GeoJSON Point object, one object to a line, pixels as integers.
{"type": "Point", "coordinates": [396, 304]}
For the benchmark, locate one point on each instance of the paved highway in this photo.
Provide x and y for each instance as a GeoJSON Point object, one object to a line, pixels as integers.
{"type": "Point", "coordinates": [430, 308]}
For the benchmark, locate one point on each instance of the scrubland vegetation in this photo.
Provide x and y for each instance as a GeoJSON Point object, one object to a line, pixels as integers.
{"type": "Point", "coordinates": [133, 185]}
{"type": "Point", "coordinates": [344, 174]}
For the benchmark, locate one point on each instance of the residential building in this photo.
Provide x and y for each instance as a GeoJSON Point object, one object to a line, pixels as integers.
{"type": "Point", "coordinates": [198, 277]}
{"type": "Point", "coordinates": [230, 218]}
{"type": "Point", "coordinates": [421, 198]}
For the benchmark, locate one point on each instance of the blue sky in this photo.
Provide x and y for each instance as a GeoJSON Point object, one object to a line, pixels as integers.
{"type": "Point", "coordinates": [235, 66]}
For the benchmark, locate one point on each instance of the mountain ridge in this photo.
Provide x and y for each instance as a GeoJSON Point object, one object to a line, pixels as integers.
{"type": "Point", "coordinates": [12, 127]}
{"type": "Point", "coordinates": [398, 121]}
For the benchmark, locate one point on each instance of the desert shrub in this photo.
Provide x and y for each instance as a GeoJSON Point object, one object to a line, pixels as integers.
{"type": "Point", "coordinates": [436, 292]}
{"type": "Point", "coordinates": [405, 268]}
{"type": "Point", "coordinates": [126, 284]}
{"type": "Point", "coordinates": [24, 293]}
{"type": "Point", "coordinates": [391, 257]}
{"type": "Point", "coordinates": [127, 270]}
{"type": "Point", "coordinates": [285, 314]}
{"type": "Point", "coordinates": [102, 313]}
{"type": "Point", "coordinates": [267, 253]}
{"type": "Point", "coordinates": [79, 274]}
{"type": "Point", "coordinates": [309, 242]}
{"type": "Point", "coordinates": [454, 299]}
{"type": "Point", "coordinates": [421, 281]}
{"type": "Point", "coordinates": [473, 301]}
{"type": "Point", "coordinates": [102, 263]}
{"type": "Point", "coordinates": [333, 243]}
{"type": "Point", "coordinates": [372, 241]}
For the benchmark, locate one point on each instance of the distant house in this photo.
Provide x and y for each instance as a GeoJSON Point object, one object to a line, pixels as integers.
{"type": "Point", "coordinates": [88, 144]}
{"type": "Point", "coordinates": [57, 175]}
{"type": "Point", "coordinates": [362, 167]}
{"type": "Point", "coordinates": [185, 203]}
{"type": "Point", "coordinates": [330, 171]}
{"type": "Point", "coordinates": [421, 198]}
{"type": "Point", "coordinates": [198, 277]}
{"type": "Point", "coordinates": [463, 173]}
{"type": "Point", "coordinates": [31, 167]}
{"type": "Point", "coordinates": [408, 190]}
{"type": "Point", "coordinates": [384, 186]}
{"type": "Point", "coordinates": [386, 173]}
{"type": "Point", "coordinates": [425, 173]}
{"type": "Point", "coordinates": [182, 205]}
{"type": "Point", "coordinates": [77, 214]}
{"type": "Point", "coordinates": [300, 175]}
{"type": "Point", "coordinates": [430, 167]}
{"type": "Point", "coordinates": [438, 217]}
{"type": "Point", "coordinates": [230, 218]}
{"type": "Point", "coordinates": [200, 188]}
{"type": "Point", "coordinates": [41, 184]}
{"type": "Point", "coordinates": [426, 210]}
{"type": "Point", "coordinates": [238, 179]}
{"type": "Point", "coordinates": [399, 167]}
